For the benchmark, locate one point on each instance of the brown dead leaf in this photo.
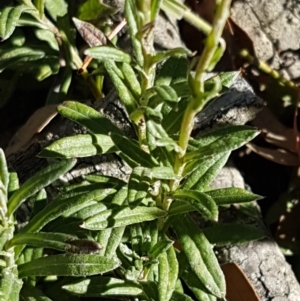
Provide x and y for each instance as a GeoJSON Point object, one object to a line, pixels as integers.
{"type": "Point", "coordinates": [91, 34]}
{"type": "Point", "coordinates": [274, 131]}
{"type": "Point", "coordinates": [279, 156]}
{"type": "Point", "coordinates": [238, 287]}
{"type": "Point", "coordinates": [35, 124]}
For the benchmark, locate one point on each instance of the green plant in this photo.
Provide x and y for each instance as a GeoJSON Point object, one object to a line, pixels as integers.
{"type": "Point", "coordinates": [131, 226]}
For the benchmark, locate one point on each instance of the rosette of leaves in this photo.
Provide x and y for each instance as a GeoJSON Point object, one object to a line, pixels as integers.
{"type": "Point", "coordinates": [148, 245]}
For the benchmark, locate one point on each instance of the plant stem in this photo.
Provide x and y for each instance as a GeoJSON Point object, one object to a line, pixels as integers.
{"type": "Point", "coordinates": [197, 102]}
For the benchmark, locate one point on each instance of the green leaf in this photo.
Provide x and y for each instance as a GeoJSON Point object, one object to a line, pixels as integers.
{"type": "Point", "coordinates": [122, 217]}
{"type": "Point", "coordinates": [133, 18]}
{"type": "Point", "coordinates": [40, 180]}
{"type": "Point", "coordinates": [159, 248]}
{"type": "Point", "coordinates": [118, 80]}
{"type": "Point", "coordinates": [205, 172]}
{"type": "Point", "coordinates": [31, 293]}
{"type": "Point", "coordinates": [228, 78]}
{"type": "Point", "coordinates": [200, 255]}
{"type": "Point", "coordinates": [131, 79]}
{"type": "Point", "coordinates": [232, 234]}
{"type": "Point", "coordinates": [155, 7]}
{"type": "Point", "coordinates": [196, 286]}
{"type": "Point", "coordinates": [69, 265]}
{"type": "Point", "coordinates": [220, 141]}
{"type": "Point", "coordinates": [103, 286]}
{"type": "Point", "coordinates": [40, 201]}
{"type": "Point", "coordinates": [202, 202]}
{"type": "Point", "coordinates": [232, 195]}
{"type": "Point", "coordinates": [87, 117]}
{"type": "Point", "coordinates": [173, 70]}
{"type": "Point", "coordinates": [56, 8]}
{"type": "Point", "coordinates": [15, 55]}
{"type": "Point", "coordinates": [9, 18]}
{"type": "Point", "coordinates": [173, 271]}
{"type": "Point", "coordinates": [138, 185]}
{"type": "Point", "coordinates": [103, 53]}
{"type": "Point", "coordinates": [93, 9]}
{"type": "Point", "coordinates": [131, 149]}
{"type": "Point", "coordinates": [177, 296]}
{"type": "Point", "coordinates": [172, 121]}
{"type": "Point", "coordinates": [150, 290]}
{"type": "Point", "coordinates": [40, 4]}
{"type": "Point", "coordinates": [10, 284]}
{"type": "Point", "coordinates": [162, 55]}
{"type": "Point", "coordinates": [67, 207]}
{"type": "Point", "coordinates": [13, 184]}
{"type": "Point", "coordinates": [112, 238]}
{"type": "Point", "coordinates": [57, 241]}
{"type": "Point", "coordinates": [79, 146]}
{"type": "Point", "coordinates": [4, 180]}
{"type": "Point", "coordinates": [179, 207]}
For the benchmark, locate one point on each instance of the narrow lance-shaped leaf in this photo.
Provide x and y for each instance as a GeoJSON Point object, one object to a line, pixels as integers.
{"type": "Point", "coordinates": [88, 117]}
{"type": "Point", "coordinates": [40, 180]}
{"type": "Point", "coordinates": [9, 18]}
{"type": "Point", "coordinates": [57, 241]}
{"type": "Point", "coordinates": [113, 239]}
{"type": "Point", "coordinates": [132, 19]}
{"type": "Point", "coordinates": [131, 79]}
{"type": "Point", "coordinates": [220, 141]}
{"type": "Point", "coordinates": [205, 172]}
{"type": "Point", "coordinates": [163, 274]}
{"type": "Point", "coordinates": [16, 55]}
{"type": "Point", "coordinates": [118, 80]}
{"type": "Point", "coordinates": [133, 151]}
{"type": "Point", "coordinates": [66, 206]}
{"type": "Point", "coordinates": [232, 195]}
{"type": "Point", "coordinates": [118, 218]}
{"type": "Point", "coordinates": [173, 271]}
{"type": "Point", "coordinates": [103, 286]}
{"type": "Point", "coordinates": [10, 284]}
{"type": "Point", "coordinates": [200, 255]}
{"type": "Point", "coordinates": [202, 202]}
{"type": "Point", "coordinates": [69, 265]}
{"type": "Point", "coordinates": [103, 53]}
{"type": "Point", "coordinates": [159, 248]}
{"type": "Point", "coordinates": [79, 146]}
{"type": "Point", "coordinates": [4, 174]}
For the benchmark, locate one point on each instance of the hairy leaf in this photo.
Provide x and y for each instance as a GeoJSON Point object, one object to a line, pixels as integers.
{"type": "Point", "coordinates": [69, 265]}
{"type": "Point", "coordinates": [40, 180]}
{"type": "Point", "coordinates": [57, 241]}
{"type": "Point", "coordinates": [200, 255]}
{"type": "Point", "coordinates": [79, 146]}
{"type": "Point", "coordinates": [9, 18]}
{"type": "Point", "coordinates": [103, 286]}
{"type": "Point", "coordinates": [131, 149]}
{"type": "Point", "coordinates": [232, 195]}
{"type": "Point", "coordinates": [202, 202]}
{"type": "Point", "coordinates": [103, 53]}
{"type": "Point", "coordinates": [122, 217]}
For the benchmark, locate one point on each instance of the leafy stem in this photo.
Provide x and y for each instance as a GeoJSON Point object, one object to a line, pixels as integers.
{"type": "Point", "coordinates": [199, 98]}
